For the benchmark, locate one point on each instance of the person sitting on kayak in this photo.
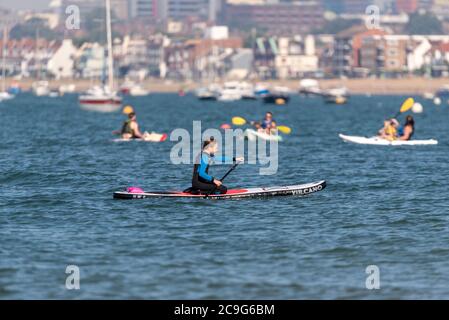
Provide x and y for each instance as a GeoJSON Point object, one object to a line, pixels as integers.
{"type": "Point", "coordinates": [389, 131]}
{"type": "Point", "coordinates": [130, 128]}
{"type": "Point", "coordinates": [268, 123]}
{"type": "Point", "coordinates": [258, 126]}
{"type": "Point", "coordinates": [408, 129]}
{"type": "Point", "coordinates": [202, 182]}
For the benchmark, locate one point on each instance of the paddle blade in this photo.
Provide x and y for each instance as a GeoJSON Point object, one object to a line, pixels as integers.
{"type": "Point", "coordinates": [284, 129]}
{"type": "Point", "coordinates": [407, 105]}
{"type": "Point", "coordinates": [128, 110]}
{"type": "Point", "coordinates": [238, 121]}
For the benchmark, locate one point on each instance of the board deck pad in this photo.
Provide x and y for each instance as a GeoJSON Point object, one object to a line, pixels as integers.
{"type": "Point", "coordinates": [295, 190]}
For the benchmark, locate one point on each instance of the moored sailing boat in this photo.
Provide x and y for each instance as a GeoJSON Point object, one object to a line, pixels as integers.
{"type": "Point", "coordinates": [104, 98]}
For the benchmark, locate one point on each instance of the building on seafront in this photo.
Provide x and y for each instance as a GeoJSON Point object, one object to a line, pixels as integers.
{"type": "Point", "coordinates": [276, 18]}
{"type": "Point", "coordinates": [180, 10]}
{"type": "Point", "coordinates": [265, 39]}
{"type": "Point", "coordinates": [360, 52]}
{"type": "Point", "coordinates": [285, 57]}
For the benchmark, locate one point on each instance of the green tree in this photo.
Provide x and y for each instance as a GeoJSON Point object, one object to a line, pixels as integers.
{"type": "Point", "coordinates": [426, 23]}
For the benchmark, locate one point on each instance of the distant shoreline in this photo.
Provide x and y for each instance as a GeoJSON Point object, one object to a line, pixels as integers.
{"type": "Point", "coordinates": [405, 86]}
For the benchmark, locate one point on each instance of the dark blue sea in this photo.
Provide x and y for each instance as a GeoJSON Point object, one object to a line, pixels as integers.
{"type": "Point", "coordinates": [384, 206]}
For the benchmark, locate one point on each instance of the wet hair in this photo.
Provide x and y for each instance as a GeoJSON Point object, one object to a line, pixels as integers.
{"type": "Point", "coordinates": [208, 142]}
{"type": "Point", "coordinates": [131, 115]}
{"type": "Point", "coordinates": [270, 113]}
{"type": "Point", "coordinates": [409, 121]}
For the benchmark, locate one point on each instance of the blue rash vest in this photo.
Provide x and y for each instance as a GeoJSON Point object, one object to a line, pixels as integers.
{"type": "Point", "coordinates": [201, 168]}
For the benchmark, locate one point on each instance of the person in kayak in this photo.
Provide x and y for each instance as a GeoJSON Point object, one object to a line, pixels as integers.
{"type": "Point", "coordinates": [409, 128]}
{"type": "Point", "coordinates": [258, 127]}
{"type": "Point", "coordinates": [268, 123]}
{"type": "Point", "coordinates": [130, 128]}
{"type": "Point", "coordinates": [389, 131]}
{"type": "Point", "coordinates": [202, 182]}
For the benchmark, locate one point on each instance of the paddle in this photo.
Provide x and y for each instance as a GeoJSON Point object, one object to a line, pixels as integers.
{"type": "Point", "coordinates": [239, 121]}
{"type": "Point", "coordinates": [284, 129]}
{"type": "Point", "coordinates": [224, 177]}
{"type": "Point", "coordinates": [406, 106]}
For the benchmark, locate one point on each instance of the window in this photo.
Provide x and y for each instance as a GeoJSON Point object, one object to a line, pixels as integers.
{"type": "Point", "coordinates": [393, 43]}
{"type": "Point", "coordinates": [393, 52]}
{"type": "Point", "coordinates": [393, 63]}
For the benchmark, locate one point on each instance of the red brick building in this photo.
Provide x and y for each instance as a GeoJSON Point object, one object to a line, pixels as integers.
{"type": "Point", "coordinates": [407, 6]}
{"type": "Point", "coordinates": [347, 49]}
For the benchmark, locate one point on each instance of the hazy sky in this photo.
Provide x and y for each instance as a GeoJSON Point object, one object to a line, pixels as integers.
{"type": "Point", "coordinates": [24, 4]}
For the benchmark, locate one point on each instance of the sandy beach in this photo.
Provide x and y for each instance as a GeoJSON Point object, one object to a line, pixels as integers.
{"type": "Point", "coordinates": [410, 86]}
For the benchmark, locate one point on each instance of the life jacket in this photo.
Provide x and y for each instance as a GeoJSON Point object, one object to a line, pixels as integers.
{"type": "Point", "coordinates": [391, 132]}
{"type": "Point", "coordinates": [267, 123]}
{"type": "Point", "coordinates": [126, 128]}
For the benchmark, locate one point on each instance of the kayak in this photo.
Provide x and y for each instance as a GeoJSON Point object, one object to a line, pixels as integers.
{"type": "Point", "coordinates": [296, 190]}
{"type": "Point", "coordinates": [382, 142]}
{"type": "Point", "coordinates": [253, 135]}
{"type": "Point", "coordinates": [147, 137]}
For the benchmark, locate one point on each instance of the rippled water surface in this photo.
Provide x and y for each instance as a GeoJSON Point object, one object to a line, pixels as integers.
{"type": "Point", "coordinates": [383, 206]}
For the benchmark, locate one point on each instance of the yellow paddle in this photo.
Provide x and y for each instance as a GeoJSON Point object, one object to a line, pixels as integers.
{"type": "Point", "coordinates": [239, 121]}
{"type": "Point", "coordinates": [406, 106]}
{"type": "Point", "coordinates": [284, 129]}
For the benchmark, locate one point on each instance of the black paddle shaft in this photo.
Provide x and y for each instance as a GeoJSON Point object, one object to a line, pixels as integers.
{"type": "Point", "coordinates": [397, 115]}
{"type": "Point", "coordinates": [229, 171]}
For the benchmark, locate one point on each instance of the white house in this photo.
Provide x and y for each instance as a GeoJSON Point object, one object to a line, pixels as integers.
{"type": "Point", "coordinates": [296, 56]}
{"type": "Point", "coordinates": [61, 64]}
{"type": "Point", "coordinates": [91, 61]}
{"type": "Point", "coordinates": [217, 33]}
{"type": "Point", "coordinates": [416, 58]}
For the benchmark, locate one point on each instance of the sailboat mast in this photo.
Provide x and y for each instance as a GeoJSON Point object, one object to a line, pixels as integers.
{"type": "Point", "coordinates": [38, 60]}
{"type": "Point", "coordinates": [5, 40]}
{"type": "Point", "coordinates": [110, 57]}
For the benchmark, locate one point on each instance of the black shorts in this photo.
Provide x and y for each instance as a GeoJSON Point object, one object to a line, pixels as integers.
{"type": "Point", "coordinates": [206, 188]}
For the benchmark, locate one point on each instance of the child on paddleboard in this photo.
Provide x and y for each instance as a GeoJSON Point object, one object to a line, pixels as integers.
{"type": "Point", "coordinates": [202, 182]}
